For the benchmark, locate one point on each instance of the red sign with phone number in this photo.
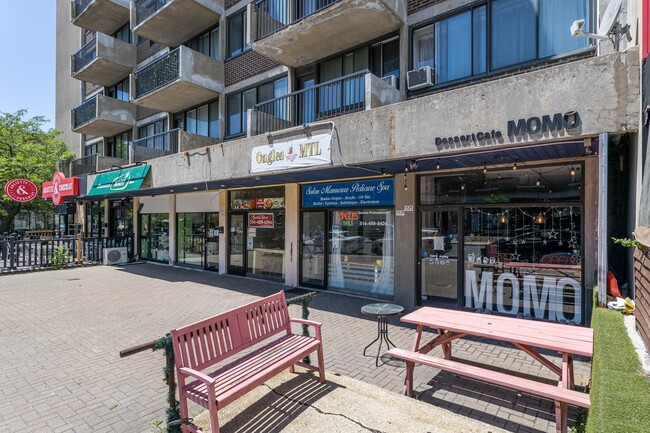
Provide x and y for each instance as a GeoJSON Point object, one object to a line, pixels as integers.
{"type": "Point", "coordinates": [261, 220]}
{"type": "Point", "coordinates": [21, 190]}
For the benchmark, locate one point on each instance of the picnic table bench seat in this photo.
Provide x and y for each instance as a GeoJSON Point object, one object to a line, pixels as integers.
{"type": "Point", "coordinates": [265, 324]}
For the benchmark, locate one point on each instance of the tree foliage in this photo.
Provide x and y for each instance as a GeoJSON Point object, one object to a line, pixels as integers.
{"type": "Point", "coordinates": [26, 151]}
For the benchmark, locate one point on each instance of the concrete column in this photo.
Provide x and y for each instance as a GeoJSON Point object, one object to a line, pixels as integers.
{"type": "Point", "coordinates": [223, 237]}
{"type": "Point", "coordinates": [291, 234]}
{"type": "Point", "coordinates": [405, 245]}
{"type": "Point", "coordinates": [172, 229]}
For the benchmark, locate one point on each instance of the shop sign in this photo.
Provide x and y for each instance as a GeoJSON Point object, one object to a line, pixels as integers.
{"type": "Point", "coordinates": [542, 298]}
{"type": "Point", "coordinates": [379, 192]}
{"type": "Point", "coordinates": [286, 155]}
{"type": "Point", "coordinates": [257, 203]}
{"type": "Point", "coordinates": [21, 190]}
{"type": "Point", "coordinates": [60, 187]}
{"type": "Point", "coordinates": [533, 125]}
{"type": "Point", "coordinates": [261, 220]}
{"type": "Point", "coordinates": [126, 179]}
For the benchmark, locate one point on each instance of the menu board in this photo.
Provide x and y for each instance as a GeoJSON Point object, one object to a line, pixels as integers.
{"type": "Point", "coordinates": [257, 203]}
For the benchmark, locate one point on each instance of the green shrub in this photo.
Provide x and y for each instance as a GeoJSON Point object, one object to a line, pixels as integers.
{"type": "Point", "coordinates": [60, 257]}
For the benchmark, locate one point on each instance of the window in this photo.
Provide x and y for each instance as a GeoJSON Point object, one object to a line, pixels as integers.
{"type": "Point", "coordinates": [119, 91]}
{"type": "Point", "coordinates": [207, 43]}
{"type": "Point", "coordinates": [238, 103]}
{"type": "Point", "coordinates": [151, 135]}
{"type": "Point", "coordinates": [118, 146]}
{"type": "Point", "coordinates": [94, 148]}
{"type": "Point", "coordinates": [237, 34]}
{"type": "Point", "coordinates": [384, 58]}
{"type": "Point", "coordinates": [124, 34]}
{"type": "Point", "coordinates": [203, 120]}
{"type": "Point", "coordinates": [520, 31]}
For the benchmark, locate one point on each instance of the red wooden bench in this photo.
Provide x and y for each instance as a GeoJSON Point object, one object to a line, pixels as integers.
{"type": "Point", "coordinates": [199, 346]}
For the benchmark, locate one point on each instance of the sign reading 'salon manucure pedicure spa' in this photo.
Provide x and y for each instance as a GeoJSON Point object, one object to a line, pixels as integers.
{"type": "Point", "coordinates": [286, 155]}
{"type": "Point", "coordinates": [360, 193]}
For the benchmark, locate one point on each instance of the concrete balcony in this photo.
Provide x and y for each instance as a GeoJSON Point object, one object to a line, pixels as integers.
{"type": "Point", "coordinates": [355, 92]}
{"type": "Point", "coordinates": [103, 116]}
{"type": "Point", "coordinates": [293, 32]}
{"type": "Point", "coordinates": [167, 143]}
{"type": "Point", "coordinates": [172, 22]}
{"type": "Point", "coordinates": [104, 60]}
{"type": "Point", "coordinates": [94, 163]}
{"type": "Point", "coordinates": [103, 16]}
{"type": "Point", "coordinates": [179, 80]}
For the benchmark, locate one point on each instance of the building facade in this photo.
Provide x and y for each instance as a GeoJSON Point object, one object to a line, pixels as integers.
{"type": "Point", "coordinates": [444, 152]}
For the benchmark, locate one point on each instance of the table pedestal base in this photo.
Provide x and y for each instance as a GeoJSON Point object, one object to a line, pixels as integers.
{"type": "Point", "coordinates": [382, 335]}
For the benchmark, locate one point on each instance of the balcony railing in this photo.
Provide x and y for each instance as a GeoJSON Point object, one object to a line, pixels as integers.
{"type": "Point", "coordinates": [330, 99]}
{"type": "Point", "coordinates": [273, 15]}
{"type": "Point", "coordinates": [84, 165]}
{"type": "Point", "coordinates": [84, 56]}
{"type": "Point", "coordinates": [145, 8]}
{"type": "Point", "coordinates": [157, 74]}
{"type": "Point", "coordinates": [155, 146]}
{"type": "Point", "coordinates": [85, 112]}
{"type": "Point", "coordinates": [79, 6]}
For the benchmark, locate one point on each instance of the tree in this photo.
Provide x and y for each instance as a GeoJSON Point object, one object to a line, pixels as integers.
{"type": "Point", "coordinates": [26, 151]}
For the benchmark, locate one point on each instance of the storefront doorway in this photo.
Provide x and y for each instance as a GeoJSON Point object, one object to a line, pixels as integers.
{"type": "Point", "coordinates": [256, 233]}
{"type": "Point", "coordinates": [347, 247]}
{"type": "Point", "coordinates": [507, 242]}
{"type": "Point", "coordinates": [198, 240]}
{"type": "Point", "coordinates": [154, 237]}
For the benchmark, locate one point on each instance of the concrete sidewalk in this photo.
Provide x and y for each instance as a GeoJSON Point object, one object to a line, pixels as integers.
{"type": "Point", "coordinates": [61, 333]}
{"type": "Point", "coordinates": [298, 403]}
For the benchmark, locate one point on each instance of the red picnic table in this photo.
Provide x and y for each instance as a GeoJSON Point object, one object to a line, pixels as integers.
{"type": "Point", "coordinates": [526, 335]}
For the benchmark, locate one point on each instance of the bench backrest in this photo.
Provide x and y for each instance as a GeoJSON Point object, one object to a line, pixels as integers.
{"type": "Point", "coordinates": [209, 341]}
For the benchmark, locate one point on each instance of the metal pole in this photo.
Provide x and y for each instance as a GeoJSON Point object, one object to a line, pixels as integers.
{"type": "Point", "coordinates": [602, 218]}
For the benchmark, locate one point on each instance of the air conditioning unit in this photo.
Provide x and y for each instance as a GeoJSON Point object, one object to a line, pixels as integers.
{"type": "Point", "coordinates": [420, 78]}
{"type": "Point", "coordinates": [115, 256]}
{"type": "Point", "coordinates": [391, 80]}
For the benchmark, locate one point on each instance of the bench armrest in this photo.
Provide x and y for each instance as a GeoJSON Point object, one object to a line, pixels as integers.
{"type": "Point", "coordinates": [306, 322]}
{"type": "Point", "coordinates": [198, 375]}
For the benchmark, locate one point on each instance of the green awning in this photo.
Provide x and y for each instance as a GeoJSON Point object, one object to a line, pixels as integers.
{"type": "Point", "coordinates": [115, 182]}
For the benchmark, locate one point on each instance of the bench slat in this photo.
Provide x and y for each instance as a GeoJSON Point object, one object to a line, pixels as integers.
{"type": "Point", "coordinates": [241, 376]}
{"type": "Point", "coordinates": [507, 381]}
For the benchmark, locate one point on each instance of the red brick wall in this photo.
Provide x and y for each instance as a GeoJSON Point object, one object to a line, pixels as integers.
{"type": "Point", "coordinates": [642, 293]}
{"type": "Point", "coordinates": [230, 3]}
{"type": "Point", "coordinates": [417, 5]}
{"type": "Point", "coordinates": [148, 48]}
{"type": "Point", "coordinates": [246, 66]}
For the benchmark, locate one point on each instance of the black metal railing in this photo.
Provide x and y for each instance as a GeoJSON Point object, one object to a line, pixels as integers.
{"type": "Point", "coordinates": [330, 99]}
{"type": "Point", "coordinates": [78, 6]}
{"type": "Point", "coordinates": [145, 8]}
{"type": "Point", "coordinates": [157, 74]}
{"type": "Point", "coordinates": [84, 165]}
{"type": "Point", "coordinates": [25, 254]}
{"type": "Point", "coordinates": [155, 146]}
{"type": "Point", "coordinates": [273, 15]}
{"type": "Point", "coordinates": [84, 56]}
{"type": "Point", "coordinates": [85, 112]}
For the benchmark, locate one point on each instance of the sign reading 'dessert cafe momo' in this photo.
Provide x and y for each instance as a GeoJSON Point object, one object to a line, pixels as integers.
{"type": "Point", "coordinates": [285, 155]}
{"type": "Point", "coordinates": [378, 192]}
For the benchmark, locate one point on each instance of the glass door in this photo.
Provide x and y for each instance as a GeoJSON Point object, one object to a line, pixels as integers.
{"type": "Point", "coordinates": [439, 256]}
{"type": "Point", "coordinates": [312, 249]}
{"type": "Point", "coordinates": [212, 241]}
{"type": "Point", "coordinates": [236, 237]}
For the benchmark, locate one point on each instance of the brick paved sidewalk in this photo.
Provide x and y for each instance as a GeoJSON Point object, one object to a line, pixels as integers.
{"type": "Point", "coordinates": [61, 333]}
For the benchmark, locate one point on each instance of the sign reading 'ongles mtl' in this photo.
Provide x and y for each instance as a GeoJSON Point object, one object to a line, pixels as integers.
{"type": "Point", "coordinates": [60, 187]}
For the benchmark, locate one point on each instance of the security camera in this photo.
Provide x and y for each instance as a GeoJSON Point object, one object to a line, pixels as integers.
{"type": "Point", "coordinates": [576, 28]}
{"type": "Point", "coordinates": [577, 31]}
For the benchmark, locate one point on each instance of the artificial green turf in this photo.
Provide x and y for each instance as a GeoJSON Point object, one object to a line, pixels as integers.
{"type": "Point", "coordinates": [620, 395]}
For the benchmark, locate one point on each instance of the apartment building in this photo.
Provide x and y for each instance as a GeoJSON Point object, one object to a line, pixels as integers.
{"type": "Point", "coordinates": [457, 153]}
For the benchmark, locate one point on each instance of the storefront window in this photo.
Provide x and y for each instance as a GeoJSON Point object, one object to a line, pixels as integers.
{"type": "Point", "coordinates": [191, 238]}
{"type": "Point", "coordinates": [507, 241]}
{"type": "Point", "coordinates": [154, 237]}
{"type": "Point", "coordinates": [361, 251]}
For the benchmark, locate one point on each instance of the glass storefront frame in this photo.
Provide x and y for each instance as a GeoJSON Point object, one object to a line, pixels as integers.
{"type": "Point", "coordinates": [462, 208]}
{"type": "Point", "coordinates": [203, 250]}
{"type": "Point", "coordinates": [154, 237]}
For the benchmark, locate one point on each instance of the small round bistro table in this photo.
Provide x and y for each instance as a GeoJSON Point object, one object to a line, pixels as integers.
{"type": "Point", "coordinates": [382, 311]}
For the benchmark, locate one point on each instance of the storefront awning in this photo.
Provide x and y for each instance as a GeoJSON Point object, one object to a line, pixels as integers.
{"type": "Point", "coordinates": [119, 181]}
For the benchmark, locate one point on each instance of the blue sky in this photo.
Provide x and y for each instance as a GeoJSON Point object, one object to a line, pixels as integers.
{"type": "Point", "coordinates": [27, 50]}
